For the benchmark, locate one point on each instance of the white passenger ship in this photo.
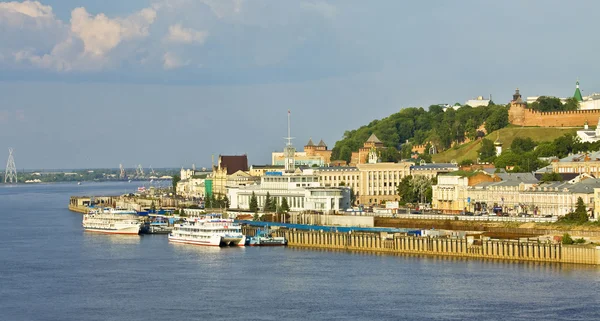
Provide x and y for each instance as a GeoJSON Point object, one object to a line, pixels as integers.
{"type": "Point", "coordinates": [210, 230]}
{"type": "Point", "coordinates": [112, 221]}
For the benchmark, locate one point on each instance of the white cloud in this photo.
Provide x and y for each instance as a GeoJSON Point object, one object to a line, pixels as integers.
{"type": "Point", "coordinates": [325, 9]}
{"type": "Point", "coordinates": [178, 34]}
{"type": "Point", "coordinates": [101, 34]}
{"type": "Point", "coordinates": [27, 15]}
{"type": "Point", "coordinates": [87, 43]}
{"type": "Point", "coordinates": [172, 61]}
{"type": "Point", "coordinates": [224, 8]}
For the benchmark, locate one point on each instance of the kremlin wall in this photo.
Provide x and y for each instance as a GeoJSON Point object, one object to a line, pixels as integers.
{"type": "Point", "coordinates": [520, 115]}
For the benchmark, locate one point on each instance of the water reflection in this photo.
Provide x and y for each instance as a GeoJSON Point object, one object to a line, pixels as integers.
{"type": "Point", "coordinates": [114, 239]}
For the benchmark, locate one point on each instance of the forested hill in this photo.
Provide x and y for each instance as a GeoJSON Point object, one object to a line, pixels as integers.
{"type": "Point", "coordinates": [420, 126]}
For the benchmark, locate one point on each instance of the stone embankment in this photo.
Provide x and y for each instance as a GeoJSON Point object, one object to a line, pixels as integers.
{"type": "Point", "coordinates": [405, 244]}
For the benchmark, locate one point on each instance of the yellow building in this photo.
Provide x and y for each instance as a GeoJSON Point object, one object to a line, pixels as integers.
{"type": "Point", "coordinates": [374, 183]}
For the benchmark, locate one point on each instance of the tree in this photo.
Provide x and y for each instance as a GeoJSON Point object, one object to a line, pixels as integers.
{"type": "Point", "coordinates": [273, 205]}
{"type": "Point", "coordinates": [253, 203]}
{"type": "Point", "coordinates": [579, 215]}
{"type": "Point", "coordinates": [551, 177]}
{"type": "Point", "coordinates": [390, 154]}
{"type": "Point", "coordinates": [345, 153]}
{"type": "Point", "coordinates": [405, 190]}
{"type": "Point", "coordinates": [487, 152]}
{"type": "Point", "coordinates": [546, 103]}
{"type": "Point", "coordinates": [174, 181]}
{"type": "Point", "coordinates": [567, 239]}
{"type": "Point", "coordinates": [522, 144]}
{"type": "Point", "coordinates": [498, 119]}
{"type": "Point", "coordinates": [153, 206]}
{"type": "Point", "coordinates": [226, 202]}
{"type": "Point", "coordinates": [284, 205]}
{"type": "Point", "coordinates": [208, 201]}
{"type": "Point", "coordinates": [267, 206]}
{"type": "Point", "coordinates": [406, 151]}
{"type": "Point", "coordinates": [420, 186]}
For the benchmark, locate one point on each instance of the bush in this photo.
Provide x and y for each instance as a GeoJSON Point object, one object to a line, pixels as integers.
{"type": "Point", "coordinates": [566, 239]}
{"type": "Point", "coordinates": [579, 241]}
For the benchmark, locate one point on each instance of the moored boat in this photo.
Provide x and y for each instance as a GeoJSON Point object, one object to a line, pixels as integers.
{"type": "Point", "coordinates": [264, 238]}
{"type": "Point", "coordinates": [112, 221]}
{"type": "Point", "coordinates": [209, 230]}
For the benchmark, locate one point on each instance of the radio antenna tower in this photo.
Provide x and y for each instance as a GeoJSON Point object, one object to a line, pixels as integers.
{"type": "Point", "coordinates": [10, 176]}
{"type": "Point", "coordinates": [289, 152]}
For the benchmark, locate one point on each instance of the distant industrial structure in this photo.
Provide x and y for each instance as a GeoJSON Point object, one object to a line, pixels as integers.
{"type": "Point", "coordinates": [10, 175]}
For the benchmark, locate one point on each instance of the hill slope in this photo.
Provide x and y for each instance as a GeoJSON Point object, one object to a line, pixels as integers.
{"type": "Point", "coordinates": [506, 135]}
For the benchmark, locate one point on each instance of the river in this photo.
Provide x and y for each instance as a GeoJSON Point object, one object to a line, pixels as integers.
{"type": "Point", "coordinates": [51, 270]}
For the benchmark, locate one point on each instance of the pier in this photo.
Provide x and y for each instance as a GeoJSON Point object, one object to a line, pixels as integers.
{"type": "Point", "coordinates": [398, 243]}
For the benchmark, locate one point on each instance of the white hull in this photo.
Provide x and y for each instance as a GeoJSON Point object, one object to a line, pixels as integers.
{"type": "Point", "coordinates": [215, 240]}
{"type": "Point", "coordinates": [132, 230]}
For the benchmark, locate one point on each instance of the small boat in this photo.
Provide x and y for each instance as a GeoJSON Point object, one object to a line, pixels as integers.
{"type": "Point", "coordinates": [78, 183]}
{"type": "Point", "coordinates": [264, 238]}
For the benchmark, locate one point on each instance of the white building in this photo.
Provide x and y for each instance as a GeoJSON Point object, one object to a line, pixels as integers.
{"type": "Point", "coordinates": [302, 192]}
{"type": "Point", "coordinates": [478, 102]}
{"type": "Point", "coordinates": [587, 135]}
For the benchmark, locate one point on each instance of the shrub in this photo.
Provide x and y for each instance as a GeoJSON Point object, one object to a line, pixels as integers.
{"type": "Point", "coordinates": [566, 239]}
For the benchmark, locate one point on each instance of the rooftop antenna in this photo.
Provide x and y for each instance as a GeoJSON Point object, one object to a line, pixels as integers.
{"type": "Point", "coordinates": [289, 136]}
{"type": "Point", "coordinates": [289, 152]}
{"type": "Point", "coordinates": [11, 169]}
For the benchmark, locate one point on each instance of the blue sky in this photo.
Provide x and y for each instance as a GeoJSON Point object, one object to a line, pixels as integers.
{"type": "Point", "coordinates": [172, 82]}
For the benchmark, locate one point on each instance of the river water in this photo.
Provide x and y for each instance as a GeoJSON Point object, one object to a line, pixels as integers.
{"type": "Point", "coordinates": [51, 270]}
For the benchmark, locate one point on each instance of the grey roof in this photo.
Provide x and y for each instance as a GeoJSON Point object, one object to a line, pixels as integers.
{"type": "Point", "coordinates": [435, 166]}
{"type": "Point", "coordinates": [322, 143]}
{"type": "Point", "coordinates": [545, 169]}
{"type": "Point", "coordinates": [520, 177]}
{"type": "Point", "coordinates": [580, 157]}
{"type": "Point", "coordinates": [492, 170]}
{"type": "Point", "coordinates": [310, 142]}
{"type": "Point", "coordinates": [337, 168]}
{"type": "Point", "coordinates": [373, 139]}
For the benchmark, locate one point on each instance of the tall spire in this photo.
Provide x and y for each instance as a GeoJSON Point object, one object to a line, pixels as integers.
{"type": "Point", "coordinates": [577, 94]}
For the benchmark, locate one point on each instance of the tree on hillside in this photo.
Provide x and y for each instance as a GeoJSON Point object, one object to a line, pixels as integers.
{"type": "Point", "coordinates": [487, 152]}
{"type": "Point", "coordinates": [571, 104]}
{"type": "Point", "coordinates": [546, 103]}
{"type": "Point", "coordinates": [253, 203]}
{"type": "Point", "coordinates": [345, 153]}
{"type": "Point", "coordinates": [522, 144]}
{"type": "Point", "coordinates": [507, 158]}
{"type": "Point", "coordinates": [406, 151]}
{"type": "Point", "coordinates": [390, 154]}
{"type": "Point", "coordinates": [498, 119]}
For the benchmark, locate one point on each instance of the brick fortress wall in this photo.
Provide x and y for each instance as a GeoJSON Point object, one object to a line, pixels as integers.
{"type": "Point", "coordinates": [519, 115]}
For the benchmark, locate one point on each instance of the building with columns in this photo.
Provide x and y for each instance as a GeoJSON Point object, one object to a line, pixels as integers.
{"type": "Point", "coordinates": [302, 191]}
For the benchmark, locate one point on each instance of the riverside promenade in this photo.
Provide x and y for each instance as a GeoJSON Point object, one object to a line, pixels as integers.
{"type": "Point", "coordinates": [398, 243]}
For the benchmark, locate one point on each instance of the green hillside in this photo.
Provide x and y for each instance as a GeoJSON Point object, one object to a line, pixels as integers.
{"type": "Point", "coordinates": [506, 136]}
